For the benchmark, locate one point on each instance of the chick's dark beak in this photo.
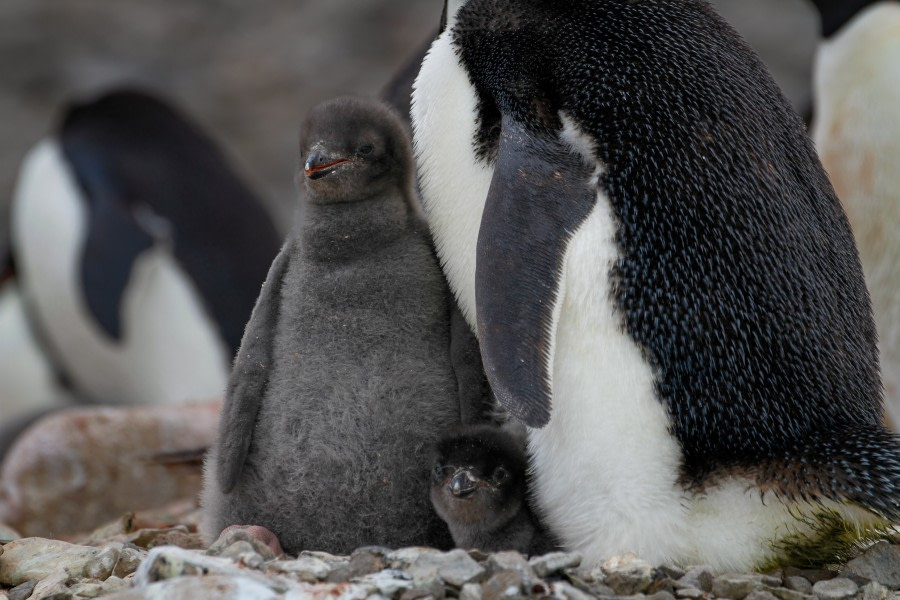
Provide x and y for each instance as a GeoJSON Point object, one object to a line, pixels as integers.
{"type": "Point", "coordinates": [319, 164]}
{"type": "Point", "coordinates": [463, 483]}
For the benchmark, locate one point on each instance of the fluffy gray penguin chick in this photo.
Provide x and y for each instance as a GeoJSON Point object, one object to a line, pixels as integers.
{"type": "Point", "coordinates": [479, 487]}
{"type": "Point", "coordinates": [344, 379]}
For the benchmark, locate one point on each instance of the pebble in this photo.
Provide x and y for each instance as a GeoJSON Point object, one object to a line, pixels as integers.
{"type": "Point", "coordinates": [229, 538]}
{"type": "Point", "coordinates": [689, 592]}
{"type": "Point", "coordinates": [389, 582]}
{"type": "Point", "coordinates": [736, 587]}
{"type": "Point", "coordinates": [130, 558]}
{"type": "Point", "coordinates": [788, 594]}
{"type": "Point", "coordinates": [874, 591]}
{"type": "Point", "coordinates": [170, 562]}
{"type": "Point", "coordinates": [37, 558]}
{"type": "Point", "coordinates": [838, 588]}
{"type": "Point", "coordinates": [305, 568]}
{"type": "Point", "coordinates": [455, 567]}
{"type": "Point", "coordinates": [7, 534]}
{"type": "Point", "coordinates": [811, 575]}
{"type": "Point", "coordinates": [512, 561]}
{"type": "Point", "coordinates": [101, 456]}
{"type": "Point", "coordinates": [627, 575]}
{"type": "Point", "coordinates": [197, 588]}
{"type": "Point", "coordinates": [798, 584]}
{"type": "Point", "coordinates": [760, 595]}
{"type": "Point", "coordinates": [700, 577]}
{"type": "Point", "coordinates": [23, 591]}
{"type": "Point", "coordinates": [503, 585]}
{"type": "Point", "coordinates": [101, 566]}
{"type": "Point", "coordinates": [470, 591]}
{"type": "Point", "coordinates": [555, 562]}
{"type": "Point", "coordinates": [561, 589]}
{"type": "Point", "coordinates": [880, 562]}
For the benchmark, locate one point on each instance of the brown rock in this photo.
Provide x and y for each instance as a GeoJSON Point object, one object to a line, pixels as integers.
{"type": "Point", "coordinates": [37, 558]}
{"type": "Point", "coordinates": [102, 457]}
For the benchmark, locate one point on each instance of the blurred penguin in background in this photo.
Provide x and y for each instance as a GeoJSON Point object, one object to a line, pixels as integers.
{"type": "Point", "coordinates": [857, 133]}
{"type": "Point", "coordinates": [138, 253]}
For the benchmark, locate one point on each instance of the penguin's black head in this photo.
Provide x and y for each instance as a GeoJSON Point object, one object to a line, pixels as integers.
{"type": "Point", "coordinates": [352, 149]}
{"type": "Point", "coordinates": [479, 477]}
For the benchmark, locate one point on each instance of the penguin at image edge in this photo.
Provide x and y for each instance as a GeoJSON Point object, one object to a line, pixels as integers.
{"type": "Point", "coordinates": [633, 218]}
{"type": "Point", "coordinates": [856, 130]}
{"type": "Point", "coordinates": [139, 252]}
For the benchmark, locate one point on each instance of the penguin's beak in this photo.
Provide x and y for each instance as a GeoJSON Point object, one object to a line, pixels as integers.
{"type": "Point", "coordinates": [463, 483]}
{"type": "Point", "coordinates": [319, 164]}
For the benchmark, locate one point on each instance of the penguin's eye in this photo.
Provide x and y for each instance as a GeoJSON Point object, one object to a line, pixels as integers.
{"type": "Point", "coordinates": [438, 472]}
{"type": "Point", "coordinates": [366, 149]}
{"type": "Point", "coordinates": [500, 475]}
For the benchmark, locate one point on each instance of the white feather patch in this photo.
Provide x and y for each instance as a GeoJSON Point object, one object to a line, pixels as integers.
{"type": "Point", "coordinates": [444, 107]}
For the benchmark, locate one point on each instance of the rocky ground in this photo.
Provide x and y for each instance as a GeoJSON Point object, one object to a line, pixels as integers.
{"type": "Point", "coordinates": [159, 555]}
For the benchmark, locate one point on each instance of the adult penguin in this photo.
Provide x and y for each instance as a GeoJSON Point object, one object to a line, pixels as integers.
{"type": "Point", "coordinates": [664, 285]}
{"type": "Point", "coordinates": [857, 134]}
{"type": "Point", "coordinates": [139, 251]}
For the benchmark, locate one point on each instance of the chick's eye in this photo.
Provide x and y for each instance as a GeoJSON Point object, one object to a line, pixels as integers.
{"type": "Point", "coordinates": [437, 472]}
{"type": "Point", "coordinates": [366, 149]}
{"type": "Point", "coordinates": [500, 474]}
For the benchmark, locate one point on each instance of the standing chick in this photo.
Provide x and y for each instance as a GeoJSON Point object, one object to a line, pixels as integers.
{"type": "Point", "coordinates": [344, 379]}
{"type": "Point", "coordinates": [479, 487]}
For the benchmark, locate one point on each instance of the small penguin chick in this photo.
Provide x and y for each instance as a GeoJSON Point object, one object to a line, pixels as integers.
{"type": "Point", "coordinates": [350, 152]}
{"type": "Point", "coordinates": [480, 489]}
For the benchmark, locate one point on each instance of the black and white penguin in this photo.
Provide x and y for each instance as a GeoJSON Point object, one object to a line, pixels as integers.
{"type": "Point", "coordinates": [664, 285]}
{"type": "Point", "coordinates": [139, 251]}
{"type": "Point", "coordinates": [479, 488]}
{"type": "Point", "coordinates": [857, 133]}
{"type": "Point", "coordinates": [344, 379]}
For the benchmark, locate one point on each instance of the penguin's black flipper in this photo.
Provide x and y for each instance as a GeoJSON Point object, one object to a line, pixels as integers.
{"type": "Point", "coordinates": [250, 376]}
{"type": "Point", "coordinates": [115, 237]}
{"type": "Point", "coordinates": [540, 189]}
{"type": "Point", "coordinates": [475, 405]}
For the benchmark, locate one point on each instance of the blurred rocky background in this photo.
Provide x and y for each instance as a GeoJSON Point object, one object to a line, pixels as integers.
{"type": "Point", "coordinates": [248, 71]}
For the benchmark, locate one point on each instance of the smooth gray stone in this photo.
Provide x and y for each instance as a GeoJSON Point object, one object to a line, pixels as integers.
{"type": "Point", "coordinates": [839, 588]}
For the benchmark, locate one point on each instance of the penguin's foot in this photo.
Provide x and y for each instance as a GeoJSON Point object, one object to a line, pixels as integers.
{"type": "Point", "coordinates": [263, 541]}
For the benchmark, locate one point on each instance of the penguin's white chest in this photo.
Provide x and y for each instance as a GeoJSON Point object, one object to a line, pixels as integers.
{"type": "Point", "coordinates": [169, 351]}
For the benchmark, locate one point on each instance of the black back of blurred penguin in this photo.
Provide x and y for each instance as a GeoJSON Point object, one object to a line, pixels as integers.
{"type": "Point", "coordinates": [141, 250]}
{"type": "Point", "coordinates": [344, 378]}
{"type": "Point", "coordinates": [665, 287]}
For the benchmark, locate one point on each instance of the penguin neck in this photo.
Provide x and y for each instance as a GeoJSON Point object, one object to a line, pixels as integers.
{"type": "Point", "coordinates": [348, 229]}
